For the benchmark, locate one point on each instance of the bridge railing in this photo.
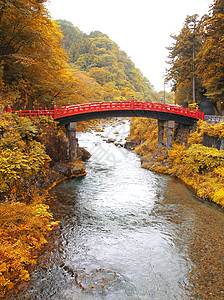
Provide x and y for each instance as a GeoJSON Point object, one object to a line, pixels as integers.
{"type": "Point", "coordinates": [126, 105]}
{"type": "Point", "coordinates": [212, 119]}
{"type": "Point", "coordinates": [33, 113]}
{"type": "Point", "coordinates": [69, 110]}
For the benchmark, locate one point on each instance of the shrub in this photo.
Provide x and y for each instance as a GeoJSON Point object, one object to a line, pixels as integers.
{"type": "Point", "coordinates": [23, 228]}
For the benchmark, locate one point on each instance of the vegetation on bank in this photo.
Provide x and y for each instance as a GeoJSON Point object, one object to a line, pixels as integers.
{"type": "Point", "coordinates": [24, 218]}
{"type": "Point", "coordinates": [200, 167]}
{"type": "Point", "coordinates": [33, 157]}
{"type": "Point", "coordinates": [36, 70]}
{"type": "Point", "coordinates": [23, 229]}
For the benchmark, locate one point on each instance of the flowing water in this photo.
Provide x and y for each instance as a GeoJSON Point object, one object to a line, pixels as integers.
{"type": "Point", "coordinates": [128, 233]}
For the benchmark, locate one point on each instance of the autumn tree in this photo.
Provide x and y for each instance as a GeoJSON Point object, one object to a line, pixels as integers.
{"type": "Point", "coordinates": [210, 66]}
{"type": "Point", "coordinates": [33, 65]}
{"type": "Point", "coordinates": [183, 64]}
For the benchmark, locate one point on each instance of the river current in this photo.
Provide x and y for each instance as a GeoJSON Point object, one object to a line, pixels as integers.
{"type": "Point", "coordinates": [128, 233]}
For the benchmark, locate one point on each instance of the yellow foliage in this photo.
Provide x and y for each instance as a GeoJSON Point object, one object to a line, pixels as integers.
{"type": "Point", "coordinates": [197, 136]}
{"type": "Point", "coordinates": [216, 130]}
{"type": "Point", "coordinates": [21, 156]}
{"type": "Point", "coordinates": [144, 131]}
{"type": "Point", "coordinates": [219, 197]}
{"type": "Point", "coordinates": [196, 159]}
{"type": "Point", "coordinates": [219, 172]}
{"type": "Point", "coordinates": [200, 167]}
{"type": "Point", "coordinates": [193, 106]}
{"type": "Point", "coordinates": [23, 228]}
{"type": "Point", "coordinates": [4, 122]}
{"type": "Point", "coordinates": [88, 125]}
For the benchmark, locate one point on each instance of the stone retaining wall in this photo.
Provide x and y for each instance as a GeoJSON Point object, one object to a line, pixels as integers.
{"type": "Point", "coordinates": [212, 141]}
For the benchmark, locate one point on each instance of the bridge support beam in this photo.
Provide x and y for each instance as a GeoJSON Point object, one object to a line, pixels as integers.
{"type": "Point", "coordinates": [73, 141]}
{"type": "Point", "coordinates": [165, 128]}
{"type": "Point", "coordinates": [169, 133]}
{"type": "Point", "coordinates": [161, 131]}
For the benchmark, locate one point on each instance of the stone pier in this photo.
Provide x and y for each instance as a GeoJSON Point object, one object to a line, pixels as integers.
{"type": "Point", "coordinates": [165, 129]}
{"type": "Point", "coordinates": [73, 141]}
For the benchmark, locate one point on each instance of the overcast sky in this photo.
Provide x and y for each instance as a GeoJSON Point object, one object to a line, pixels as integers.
{"type": "Point", "coordinates": [141, 28]}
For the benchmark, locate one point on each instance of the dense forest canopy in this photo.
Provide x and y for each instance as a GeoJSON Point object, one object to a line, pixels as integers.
{"type": "Point", "coordinates": [197, 54]}
{"type": "Point", "coordinates": [33, 65]}
{"type": "Point", "coordinates": [98, 57]}
{"type": "Point", "coordinates": [35, 69]}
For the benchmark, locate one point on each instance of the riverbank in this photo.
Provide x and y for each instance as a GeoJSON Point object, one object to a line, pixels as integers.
{"type": "Point", "coordinates": [149, 231]}
{"type": "Point", "coordinates": [200, 167]}
{"type": "Point", "coordinates": [23, 201]}
{"type": "Point", "coordinates": [33, 159]}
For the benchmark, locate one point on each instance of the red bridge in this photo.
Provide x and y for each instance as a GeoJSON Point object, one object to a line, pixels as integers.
{"type": "Point", "coordinates": [82, 112]}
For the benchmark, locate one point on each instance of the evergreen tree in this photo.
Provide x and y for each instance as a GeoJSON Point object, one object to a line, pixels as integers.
{"type": "Point", "coordinates": [210, 66]}
{"type": "Point", "coordinates": [183, 62]}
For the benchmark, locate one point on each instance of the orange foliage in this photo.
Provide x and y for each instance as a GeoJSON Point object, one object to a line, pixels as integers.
{"type": "Point", "coordinates": [23, 228]}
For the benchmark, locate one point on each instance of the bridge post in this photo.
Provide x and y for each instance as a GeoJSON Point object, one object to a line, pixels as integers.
{"type": "Point", "coordinates": [54, 110]}
{"type": "Point", "coordinates": [161, 131]}
{"type": "Point", "coordinates": [8, 108]}
{"type": "Point", "coordinates": [169, 134]}
{"type": "Point", "coordinates": [165, 127]}
{"type": "Point", "coordinates": [73, 144]}
{"type": "Point", "coordinates": [222, 144]}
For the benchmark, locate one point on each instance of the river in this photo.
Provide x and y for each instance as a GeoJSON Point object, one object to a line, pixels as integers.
{"type": "Point", "coordinates": [128, 233]}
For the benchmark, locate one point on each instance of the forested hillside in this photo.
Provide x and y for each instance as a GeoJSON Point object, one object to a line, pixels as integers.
{"type": "Point", "coordinates": [99, 58]}
{"type": "Point", "coordinates": [34, 67]}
